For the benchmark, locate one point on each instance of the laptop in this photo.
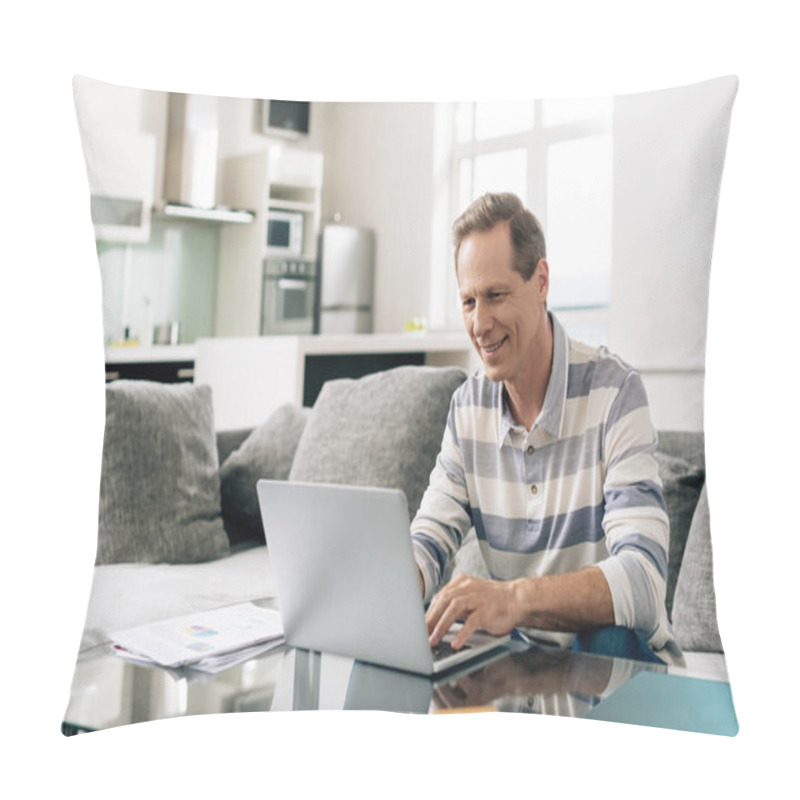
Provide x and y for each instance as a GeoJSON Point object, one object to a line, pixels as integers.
{"type": "Point", "coordinates": [346, 578]}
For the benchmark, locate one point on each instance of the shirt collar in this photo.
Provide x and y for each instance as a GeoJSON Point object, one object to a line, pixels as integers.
{"type": "Point", "coordinates": [552, 414]}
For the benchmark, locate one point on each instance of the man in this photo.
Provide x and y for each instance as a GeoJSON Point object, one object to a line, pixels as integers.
{"type": "Point", "coordinates": [549, 455]}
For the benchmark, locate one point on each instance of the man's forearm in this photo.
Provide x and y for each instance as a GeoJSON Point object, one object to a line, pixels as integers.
{"type": "Point", "coordinates": [572, 601]}
{"type": "Point", "coordinates": [569, 602]}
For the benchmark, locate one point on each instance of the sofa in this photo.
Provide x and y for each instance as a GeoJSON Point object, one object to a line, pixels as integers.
{"type": "Point", "coordinates": [179, 526]}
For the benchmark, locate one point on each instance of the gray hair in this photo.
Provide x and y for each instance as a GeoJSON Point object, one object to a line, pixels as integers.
{"type": "Point", "coordinates": [527, 236]}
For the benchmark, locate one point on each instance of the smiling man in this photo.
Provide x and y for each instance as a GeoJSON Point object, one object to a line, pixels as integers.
{"type": "Point", "coordinates": [548, 454]}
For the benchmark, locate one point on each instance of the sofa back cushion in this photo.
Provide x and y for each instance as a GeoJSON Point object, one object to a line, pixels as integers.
{"type": "Point", "coordinates": [159, 485]}
{"type": "Point", "coordinates": [382, 430]}
{"type": "Point", "coordinates": [681, 465]}
{"type": "Point", "coordinates": [694, 612]}
{"type": "Point", "coordinates": [266, 452]}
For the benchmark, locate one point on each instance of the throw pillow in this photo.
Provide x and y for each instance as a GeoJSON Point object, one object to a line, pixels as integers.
{"type": "Point", "coordinates": [682, 483]}
{"type": "Point", "coordinates": [267, 452]}
{"type": "Point", "coordinates": [661, 161]}
{"type": "Point", "coordinates": [159, 486]}
{"type": "Point", "coordinates": [694, 613]}
{"type": "Point", "coordinates": [381, 430]}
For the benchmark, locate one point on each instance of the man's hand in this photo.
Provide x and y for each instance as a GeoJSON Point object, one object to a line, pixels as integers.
{"type": "Point", "coordinates": [482, 605]}
{"type": "Point", "coordinates": [572, 601]}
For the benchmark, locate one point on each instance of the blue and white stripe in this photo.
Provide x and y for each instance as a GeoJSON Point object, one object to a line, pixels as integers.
{"type": "Point", "coordinates": [581, 488]}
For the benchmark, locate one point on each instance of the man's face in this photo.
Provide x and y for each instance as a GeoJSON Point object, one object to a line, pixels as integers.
{"type": "Point", "coordinates": [503, 313]}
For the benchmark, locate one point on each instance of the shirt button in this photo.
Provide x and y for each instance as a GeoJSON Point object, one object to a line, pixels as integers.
{"type": "Point", "coordinates": [534, 489]}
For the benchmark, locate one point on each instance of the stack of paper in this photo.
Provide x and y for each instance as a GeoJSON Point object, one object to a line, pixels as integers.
{"type": "Point", "coordinates": [209, 641]}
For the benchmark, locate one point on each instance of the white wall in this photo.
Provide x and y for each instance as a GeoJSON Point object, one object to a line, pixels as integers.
{"type": "Point", "coordinates": [378, 174]}
{"type": "Point", "coordinates": [668, 153]}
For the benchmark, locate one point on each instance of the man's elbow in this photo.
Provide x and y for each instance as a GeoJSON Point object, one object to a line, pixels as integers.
{"type": "Point", "coordinates": [648, 593]}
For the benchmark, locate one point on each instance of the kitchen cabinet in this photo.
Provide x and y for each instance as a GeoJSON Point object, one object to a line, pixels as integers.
{"type": "Point", "coordinates": [278, 177]}
{"type": "Point", "coordinates": [121, 167]}
{"type": "Point", "coordinates": [164, 364]}
{"type": "Point", "coordinates": [250, 377]}
{"type": "Point", "coordinates": [159, 371]}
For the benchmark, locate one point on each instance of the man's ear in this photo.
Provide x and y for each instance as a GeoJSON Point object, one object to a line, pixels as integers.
{"type": "Point", "coordinates": [542, 277]}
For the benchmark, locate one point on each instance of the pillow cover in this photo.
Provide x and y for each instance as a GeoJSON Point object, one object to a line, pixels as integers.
{"type": "Point", "coordinates": [381, 430]}
{"type": "Point", "coordinates": [159, 486]}
{"type": "Point", "coordinates": [694, 612]}
{"type": "Point", "coordinates": [668, 152]}
{"type": "Point", "coordinates": [681, 486]}
{"type": "Point", "coordinates": [267, 452]}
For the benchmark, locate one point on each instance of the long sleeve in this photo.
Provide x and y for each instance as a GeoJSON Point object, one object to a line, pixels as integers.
{"type": "Point", "coordinates": [635, 520]}
{"type": "Point", "coordinates": [444, 515]}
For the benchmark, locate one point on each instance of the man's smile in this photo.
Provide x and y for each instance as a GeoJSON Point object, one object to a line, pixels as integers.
{"type": "Point", "coordinates": [491, 349]}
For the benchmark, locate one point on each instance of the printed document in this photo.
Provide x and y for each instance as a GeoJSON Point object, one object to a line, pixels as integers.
{"type": "Point", "coordinates": [190, 639]}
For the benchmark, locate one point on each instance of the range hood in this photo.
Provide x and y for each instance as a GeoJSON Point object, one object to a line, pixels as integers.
{"type": "Point", "coordinates": [190, 169]}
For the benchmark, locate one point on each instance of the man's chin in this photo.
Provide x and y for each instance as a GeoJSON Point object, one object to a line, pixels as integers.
{"type": "Point", "coordinates": [492, 368]}
{"type": "Point", "coordinates": [493, 372]}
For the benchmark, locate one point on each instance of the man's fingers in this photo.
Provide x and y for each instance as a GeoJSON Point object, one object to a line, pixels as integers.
{"type": "Point", "coordinates": [478, 604]}
{"type": "Point", "coordinates": [471, 624]}
{"type": "Point", "coordinates": [449, 614]}
{"type": "Point", "coordinates": [441, 600]}
{"type": "Point", "coordinates": [458, 607]}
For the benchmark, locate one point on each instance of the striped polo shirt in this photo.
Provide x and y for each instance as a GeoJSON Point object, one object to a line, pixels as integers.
{"type": "Point", "coordinates": [580, 488]}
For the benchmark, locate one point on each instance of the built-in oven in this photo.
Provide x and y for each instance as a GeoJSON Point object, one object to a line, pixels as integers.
{"type": "Point", "coordinates": [290, 296]}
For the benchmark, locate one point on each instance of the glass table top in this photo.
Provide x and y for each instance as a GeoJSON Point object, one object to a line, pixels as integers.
{"type": "Point", "coordinates": [109, 691]}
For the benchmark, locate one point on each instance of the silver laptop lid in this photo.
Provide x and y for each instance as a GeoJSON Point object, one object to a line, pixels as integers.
{"type": "Point", "coordinates": [345, 574]}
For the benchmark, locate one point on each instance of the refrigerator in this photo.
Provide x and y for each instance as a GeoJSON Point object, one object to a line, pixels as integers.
{"type": "Point", "coordinates": [346, 280]}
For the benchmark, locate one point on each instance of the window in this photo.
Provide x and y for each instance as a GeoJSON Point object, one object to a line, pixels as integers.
{"type": "Point", "coordinates": [557, 156]}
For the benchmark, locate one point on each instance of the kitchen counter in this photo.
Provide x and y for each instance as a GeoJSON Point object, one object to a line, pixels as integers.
{"type": "Point", "coordinates": [162, 363]}
{"type": "Point", "coordinates": [141, 354]}
{"type": "Point", "coordinates": [384, 342]}
{"type": "Point", "coordinates": [329, 344]}
{"type": "Point", "coordinates": [252, 376]}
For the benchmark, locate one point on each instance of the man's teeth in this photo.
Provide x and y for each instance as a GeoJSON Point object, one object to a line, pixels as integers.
{"type": "Point", "coordinates": [492, 348]}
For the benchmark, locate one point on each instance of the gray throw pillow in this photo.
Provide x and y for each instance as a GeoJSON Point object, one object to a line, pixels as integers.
{"type": "Point", "coordinates": [267, 452]}
{"type": "Point", "coordinates": [382, 430]}
{"type": "Point", "coordinates": [694, 613]}
{"type": "Point", "coordinates": [682, 482]}
{"type": "Point", "coordinates": [159, 486]}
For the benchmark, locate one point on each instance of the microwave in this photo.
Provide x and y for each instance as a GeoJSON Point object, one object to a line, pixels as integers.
{"type": "Point", "coordinates": [284, 232]}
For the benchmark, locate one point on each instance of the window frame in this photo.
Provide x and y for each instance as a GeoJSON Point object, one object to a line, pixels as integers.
{"type": "Point", "coordinates": [536, 141]}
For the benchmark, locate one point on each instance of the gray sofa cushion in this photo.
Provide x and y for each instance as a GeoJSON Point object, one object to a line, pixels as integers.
{"type": "Point", "coordinates": [267, 452]}
{"type": "Point", "coordinates": [682, 482]}
{"type": "Point", "coordinates": [694, 613]}
{"type": "Point", "coordinates": [228, 441]}
{"type": "Point", "coordinates": [381, 430]}
{"type": "Point", "coordinates": [689, 445]}
{"type": "Point", "coordinates": [159, 486]}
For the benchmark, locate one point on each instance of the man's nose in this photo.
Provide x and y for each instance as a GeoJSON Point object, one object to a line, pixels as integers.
{"type": "Point", "coordinates": [482, 320]}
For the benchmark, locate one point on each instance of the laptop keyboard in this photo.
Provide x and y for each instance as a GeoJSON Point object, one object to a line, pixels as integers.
{"type": "Point", "coordinates": [444, 649]}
